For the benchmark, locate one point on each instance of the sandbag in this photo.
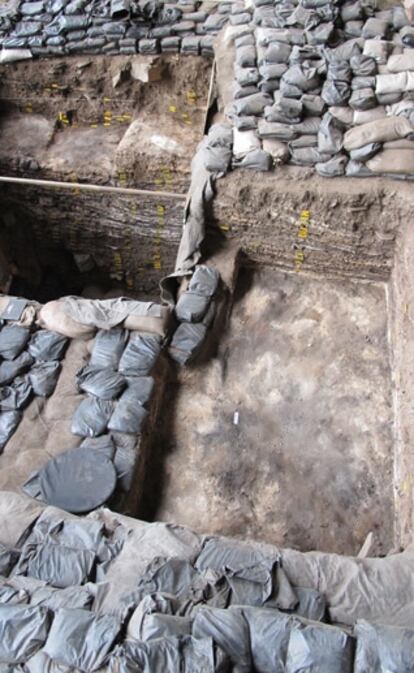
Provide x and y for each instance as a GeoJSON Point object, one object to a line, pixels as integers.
{"type": "Point", "coordinates": [382, 130]}
{"type": "Point", "coordinates": [9, 369]}
{"type": "Point", "coordinates": [278, 151]}
{"type": "Point", "coordinates": [129, 415]}
{"type": "Point", "coordinates": [399, 63]}
{"type": "Point", "coordinates": [333, 167]}
{"type": "Point", "coordinates": [318, 649]}
{"type": "Point", "coordinates": [365, 152]}
{"type": "Point", "coordinates": [266, 36]}
{"type": "Point", "coordinates": [204, 281]}
{"type": "Point", "coordinates": [103, 383]}
{"type": "Point", "coordinates": [246, 56]}
{"type": "Point", "coordinates": [379, 50]}
{"type": "Point", "coordinates": [151, 324]}
{"type": "Point", "coordinates": [191, 307]}
{"type": "Point", "coordinates": [13, 339]}
{"type": "Point", "coordinates": [360, 82]}
{"type": "Point", "coordinates": [43, 377]}
{"type": "Point", "coordinates": [244, 142]}
{"type": "Point", "coordinates": [339, 70]}
{"type": "Point", "coordinates": [246, 76]}
{"type": "Point", "coordinates": [272, 71]}
{"type": "Point", "coordinates": [229, 629]}
{"type": "Point", "coordinates": [363, 99]}
{"type": "Point", "coordinates": [308, 156]}
{"type": "Point", "coordinates": [53, 317]}
{"type": "Point", "coordinates": [357, 169]}
{"type": "Point", "coordinates": [9, 420]}
{"type": "Point", "coordinates": [366, 116]}
{"type": "Point", "coordinates": [270, 632]}
{"type": "Point", "coordinates": [312, 104]}
{"type": "Point", "coordinates": [335, 92]}
{"type": "Point", "coordinates": [58, 565]}
{"type": "Point", "coordinates": [91, 417]}
{"type": "Point", "coordinates": [47, 346]}
{"type": "Point", "coordinates": [23, 631]}
{"type": "Point", "coordinates": [104, 444]}
{"type": "Point", "coordinates": [275, 130]}
{"type": "Point", "coordinates": [15, 396]}
{"type": "Point", "coordinates": [343, 114]}
{"type": "Point", "coordinates": [393, 161]}
{"type": "Point", "coordinates": [395, 83]}
{"type": "Point", "coordinates": [257, 160]}
{"type": "Point", "coordinates": [383, 648]}
{"type": "Point", "coordinates": [302, 76]}
{"type": "Point", "coordinates": [330, 135]}
{"type": "Point", "coordinates": [81, 639]}
{"type": "Point", "coordinates": [108, 348]}
{"type": "Point", "coordinates": [140, 355]}
{"type": "Point", "coordinates": [251, 105]}
{"type": "Point", "coordinates": [277, 52]}
{"type": "Point", "coordinates": [363, 66]}
{"type": "Point", "coordinates": [187, 342]}
{"type": "Point", "coordinates": [375, 28]}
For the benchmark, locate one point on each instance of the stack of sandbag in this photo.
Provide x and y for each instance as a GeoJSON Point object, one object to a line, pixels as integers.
{"type": "Point", "coordinates": [309, 72]}
{"type": "Point", "coordinates": [195, 310]}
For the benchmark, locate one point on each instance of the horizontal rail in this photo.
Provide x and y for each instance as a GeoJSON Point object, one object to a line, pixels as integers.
{"type": "Point", "coordinates": [93, 188]}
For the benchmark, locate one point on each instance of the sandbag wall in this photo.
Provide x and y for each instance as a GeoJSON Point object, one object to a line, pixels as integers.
{"type": "Point", "coordinates": [133, 240]}
{"type": "Point", "coordinates": [323, 84]}
{"type": "Point", "coordinates": [56, 28]}
{"type": "Point", "coordinates": [103, 594]}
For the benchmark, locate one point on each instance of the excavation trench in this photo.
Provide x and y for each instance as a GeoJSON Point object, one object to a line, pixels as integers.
{"type": "Point", "coordinates": [297, 429]}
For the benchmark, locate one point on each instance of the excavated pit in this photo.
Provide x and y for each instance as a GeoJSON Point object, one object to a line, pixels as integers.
{"type": "Point", "coordinates": [298, 430]}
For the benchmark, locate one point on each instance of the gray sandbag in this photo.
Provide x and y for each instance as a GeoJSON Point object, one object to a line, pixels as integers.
{"type": "Point", "coordinates": [363, 99]}
{"type": "Point", "coordinates": [72, 597]}
{"type": "Point", "coordinates": [352, 11]}
{"type": "Point", "coordinates": [220, 135]}
{"type": "Point", "coordinates": [81, 639]}
{"type": "Point", "coordinates": [204, 281]}
{"type": "Point", "coordinates": [9, 420]}
{"type": "Point", "coordinates": [245, 123]}
{"type": "Point", "coordinates": [346, 50]}
{"type": "Point", "coordinates": [291, 108]}
{"type": "Point", "coordinates": [353, 29]}
{"type": "Point", "coordinates": [125, 458]}
{"type": "Point", "coordinates": [365, 116]}
{"type": "Point", "coordinates": [252, 105]}
{"type": "Point", "coordinates": [272, 71]}
{"type": "Point", "coordinates": [332, 168]}
{"type": "Point", "coordinates": [365, 152]}
{"type": "Point", "coordinates": [330, 135]}
{"type": "Point", "coordinates": [339, 70]}
{"type": "Point", "coordinates": [335, 92]}
{"type": "Point", "coordinates": [269, 638]}
{"type": "Point", "coordinates": [47, 346]}
{"type": "Point", "coordinates": [359, 82]}
{"type": "Point", "coordinates": [91, 417]}
{"type": "Point", "coordinates": [312, 104]}
{"type": "Point", "coordinates": [290, 90]}
{"type": "Point", "coordinates": [308, 126]}
{"type": "Point", "coordinates": [103, 383]}
{"type": "Point", "coordinates": [243, 91]}
{"type": "Point", "coordinates": [382, 130]}
{"type": "Point", "coordinates": [129, 415]}
{"type": "Point", "coordinates": [277, 52]}
{"type": "Point", "coordinates": [398, 162]}
{"type": "Point", "coordinates": [104, 444]}
{"type": "Point", "coordinates": [23, 631]}
{"type": "Point", "coordinates": [17, 395]}
{"type": "Point", "coordinates": [246, 76]}
{"type": "Point", "coordinates": [161, 626]}
{"type": "Point", "coordinates": [308, 156]}
{"type": "Point", "coordinates": [383, 648]}
{"type": "Point", "coordinates": [401, 62]}
{"type": "Point", "coordinates": [246, 56]}
{"type": "Point", "coordinates": [312, 604]}
{"type": "Point", "coordinates": [275, 130]}
{"type": "Point", "coordinates": [43, 377]}
{"type": "Point", "coordinates": [59, 566]}
{"type": "Point", "coordinates": [304, 141]}
{"type": "Point", "coordinates": [187, 342]}
{"type": "Point", "coordinates": [229, 630]}
{"type": "Point", "coordinates": [246, 40]}
{"type": "Point", "coordinates": [191, 307]}
{"type": "Point", "coordinates": [399, 18]}
{"type": "Point", "coordinates": [363, 66]}
{"type": "Point", "coordinates": [302, 76]}
{"type": "Point", "coordinates": [320, 34]}
{"type": "Point", "coordinates": [375, 28]}
{"type": "Point", "coordinates": [108, 348]}
{"type": "Point", "coordinates": [217, 159]}
{"type": "Point", "coordinates": [278, 151]}
{"type": "Point", "coordinates": [343, 114]}
{"type": "Point", "coordinates": [357, 169]}
{"type": "Point", "coordinates": [269, 86]}
{"type": "Point", "coordinates": [256, 160]}
{"type": "Point", "coordinates": [391, 83]}
{"type": "Point", "coordinates": [317, 648]}
{"type": "Point", "coordinates": [389, 98]}
{"type": "Point", "coordinates": [13, 339]}
{"type": "Point", "coordinates": [378, 50]}
{"type": "Point", "coordinates": [186, 654]}
{"type": "Point", "coordinates": [307, 53]}
{"type": "Point", "coordinates": [140, 355]}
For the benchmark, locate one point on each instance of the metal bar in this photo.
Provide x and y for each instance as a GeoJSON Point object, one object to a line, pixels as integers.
{"type": "Point", "coordinates": [93, 188]}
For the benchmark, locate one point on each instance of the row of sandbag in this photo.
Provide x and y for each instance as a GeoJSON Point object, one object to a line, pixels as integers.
{"type": "Point", "coordinates": [29, 365]}
{"type": "Point", "coordinates": [293, 102]}
{"type": "Point", "coordinates": [59, 28]}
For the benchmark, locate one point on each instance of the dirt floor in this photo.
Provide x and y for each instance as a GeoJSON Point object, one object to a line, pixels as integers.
{"type": "Point", "coordinates": [308, 462]}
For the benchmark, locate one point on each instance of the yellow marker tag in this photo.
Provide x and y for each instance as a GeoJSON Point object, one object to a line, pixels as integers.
{"type": "Point", "coordinates": [106, 99]}
{"type": "Point", "coordinates": [172, 108]}
{"type": "Point", "coordinates": [405, 309]}
{"type": "Point", "coordinates": [224, 227]}
{"type": "Point", "coordinates": [93, 126]}
{"type": "Point", "coordinates": [29, 108]}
